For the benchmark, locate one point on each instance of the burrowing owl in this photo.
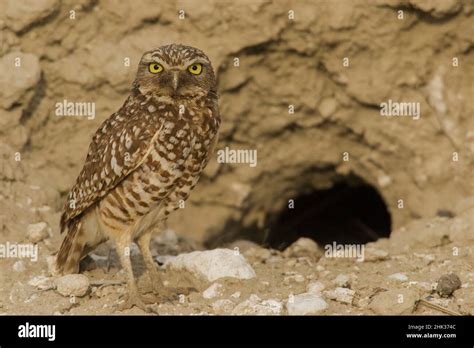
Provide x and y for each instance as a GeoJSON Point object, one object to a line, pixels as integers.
{"type": "Point", "coordinates": [143, 160]}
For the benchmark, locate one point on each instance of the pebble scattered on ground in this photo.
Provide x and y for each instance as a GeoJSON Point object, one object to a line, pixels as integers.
{"type": "Point", "coordinates": [213, 264]}
{"type": "Point", "coordinates": [447, 284]}
{"type": "Point", "coordinates": [37, 232]}
{"type": "Point", "coordinates": [306, 303]}
{"type": "Point", "coordinates": [72, 285]}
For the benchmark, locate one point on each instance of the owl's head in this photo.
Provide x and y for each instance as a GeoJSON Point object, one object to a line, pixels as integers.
{"type": "Point", "coordinates": [176, 71]}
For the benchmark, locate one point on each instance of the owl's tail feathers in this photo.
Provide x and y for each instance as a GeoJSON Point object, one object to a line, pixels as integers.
{"type": "Point", "coordinates": [70, 252]}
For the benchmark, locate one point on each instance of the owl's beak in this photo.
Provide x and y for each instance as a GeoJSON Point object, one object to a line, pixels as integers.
{"type": "Point", "coordinates": [174, 81]}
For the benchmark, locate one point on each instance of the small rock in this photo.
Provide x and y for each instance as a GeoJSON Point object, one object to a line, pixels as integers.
{"type": "Point", "coordinates": [42, 283]}
{"type": "Point", "coordinates": [37, 232]}
{"type": "Point", "coordinates": [243, 245]}
{"type": "Point", "coordinates": [343, 281]}
{"type": "Point", "coordinates": [315, 288]}
{"type": "Point", "coordinates": [399, 276]}
{"type": "Point", "coordinates": [19, 266]}
{"type": "Point", "coordinates": [342, 295]}
{"type": "Point", "coordinates": [254, 305]}
{"type": "Point", "coordinates": [327, 107]}
{"type": "Point", "coordinates": [72, 285]}
{"type": "Point", "coordinates": [384, 180]}
{"type": "Point", "coordinates": [447, 284]}
{"type": "Point", "coordinates": [44, 208]}
{"type": "Point", "coordinates": [427, 258]}
{"type": "Point", "coordinates": [31, 298]}
{"type": "Point", "coordinates": [223, 306]}
{"type": "Point", "coordinates": [395, 301]}
{"type": "Point", "coordinates": [257, 252]}
{"type": "Point", "coordinates": [372, 254]}
{"type": "Point", "coordinates": [304, 247]}
{"type": "Point", "coordinates": [213, 291]}
{"type": "Point", "coordinates": [213, 264]}
{"type": "Point", "coordinates": [305, 261]}
{"type": "Point", "coordinates": [236, 294]}
{"type": "Point", "coordinates": [294, 278]}
{"type": "Point", "coordinates": [443, 302]}
{"type": "Point", "coordinates": [263, 254]}
{"type": "Point", "coordinates": [306, 303]}
{"type": "Point", "coordinates": [274, 259]}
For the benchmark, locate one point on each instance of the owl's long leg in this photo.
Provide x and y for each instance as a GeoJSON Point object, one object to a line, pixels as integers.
{"type": "Point", "coordinates": [123, 251]}
{"type": "Point", "coordinates": [144, 244]}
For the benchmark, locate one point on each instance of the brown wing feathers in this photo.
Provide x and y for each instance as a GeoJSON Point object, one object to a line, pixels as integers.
{"type": "Point", "coordinates": [119, 137]}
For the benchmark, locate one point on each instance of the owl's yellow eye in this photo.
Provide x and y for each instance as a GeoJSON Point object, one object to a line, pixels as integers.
{"type": "Point", "coordinates": [195, 69]}
{"type": "Point", "coordinates": [155, 68]}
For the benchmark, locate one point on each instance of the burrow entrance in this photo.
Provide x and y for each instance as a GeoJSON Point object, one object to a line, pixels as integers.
{"type": "Point", "coordinates": [345, 214]}
{"type": "Point", "coordinates": [351, 211]}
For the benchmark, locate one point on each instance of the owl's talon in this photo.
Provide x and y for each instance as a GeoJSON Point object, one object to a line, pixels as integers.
{"type": "Point", "coordinates": [156, 283]}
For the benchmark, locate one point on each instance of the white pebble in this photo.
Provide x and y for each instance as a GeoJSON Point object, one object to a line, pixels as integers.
{"type": "Point", "coordinates": [223, 305]}
{"type": "Point", "coordinates": [304, 304]}
{"type": "Point", "coordinates": [235, 294]}
{"type": "Point", "coordinates": [342, 295]}
{"type": "Point", "coordinates": [37, 232]}
{"type": "Point", "coordinates": [42, 282]}
{"type": "Point", "coordinates": [255, 306]}
{"type": "Point", "coordinates": [399, 276]}
{"type": "Point", "coordinates": [213, 264]}
{"type": "Point", "coordinates": [73, 285]}
{"type": "Point", "coordinates": [315, 288]}
{"type": "Point", "coordinates": [19, 266]}
{"type": "Point", "coordinates": [342, 280]}
{"type": "Point", "coordinates": [213, 291]}
{"type": "Point", "coordinates": [372, 254]}
{"type": "Point", "coordinates": [297, 278]}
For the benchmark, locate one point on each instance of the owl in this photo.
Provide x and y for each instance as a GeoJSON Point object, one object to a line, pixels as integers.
{"type": "Point", "coordinates": [143, 162]}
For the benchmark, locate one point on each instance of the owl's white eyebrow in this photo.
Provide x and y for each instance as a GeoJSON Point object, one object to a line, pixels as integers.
{"type": "Point", "coordinates": [156, 60]}
{"type": "Point", "coordinates": [197, 60]}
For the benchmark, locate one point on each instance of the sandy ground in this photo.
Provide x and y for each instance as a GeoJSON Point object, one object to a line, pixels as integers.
{"type": "Point", "coordinates": [409, 264]}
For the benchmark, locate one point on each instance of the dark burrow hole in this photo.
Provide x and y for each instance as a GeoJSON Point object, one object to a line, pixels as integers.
{"type": "Point", "coordinates": [345, 214]}
{"type": "Point", "coordinates": [350, 212]}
